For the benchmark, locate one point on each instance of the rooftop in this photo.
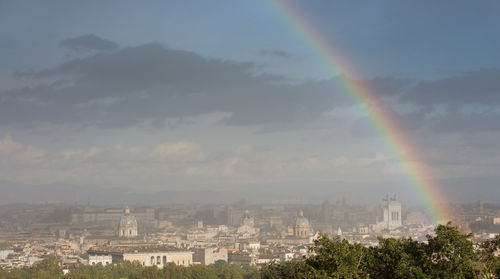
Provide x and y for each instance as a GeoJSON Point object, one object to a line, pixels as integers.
{"type": "Point", "coordinates": [134, 249]}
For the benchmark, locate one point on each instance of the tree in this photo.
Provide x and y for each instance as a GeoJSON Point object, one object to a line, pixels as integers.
{"type": "Point", "coordinates": [487, 255]}
{"type": "Point", "coordinates": [337, 258]}
{"type": "Point", "coordinates": [451, 254]}
{"type": "Point", "coordinates": [397, 258]}
{"type": "Point", "coordinates": [45, 269]}
{"type": "Point", "coordinates": [291, 270]}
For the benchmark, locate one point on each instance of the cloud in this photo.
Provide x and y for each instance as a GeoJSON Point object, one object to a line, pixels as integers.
{"type": "Point", "coordinates": [183, 162]}
{"type": "Point", "coordinates": [151, 82]}
{"type": "Point", "coordinates": [13, 154]}
{"type": "Point", "coordinates": [88, 42]}
{"type": "Point", "coordinates": [275, 53]}
{"type": "Point", "coordinates": [480, 87]}
{"type": "Point", "coordinates": [384, 87]}
{"type": "Point", "coordinates": [460, 122]}
{"type": "Point", "coordinates": [98, 164]}
{"type": "Point", "coordinates": [467, 103]}
{"type": "Point", "coordinates": [188, 164]}
{"type": "Point", "coordinates": [463, 104]}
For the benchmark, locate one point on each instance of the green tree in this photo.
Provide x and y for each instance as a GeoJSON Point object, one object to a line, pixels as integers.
{"type": "Point", "coordinates": [45, 269]}
{"type": "Point", "coordinates": [338, 258]}
{"type": "Point", "coordinates": [250, 272]}
{"type": "Point", "coordinates": [451, 254]}
{"type": "Point", "coordinates": [397, 258]}
{"type": "Point", "coordinates": [291, 270]}
{"type": "Point", "coordinates": [490, 261]}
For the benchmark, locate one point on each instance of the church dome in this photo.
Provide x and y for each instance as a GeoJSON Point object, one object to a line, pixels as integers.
{"type": "Point", "coordinates": [302, 228]}
{"type": "Point", "coordinates": [128, 225]}
{"type": "Point", "coordinates": [301, 221]}
{"type": "Point", "coordinates": [127, 221]}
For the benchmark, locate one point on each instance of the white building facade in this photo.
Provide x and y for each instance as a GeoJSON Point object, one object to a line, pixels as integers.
{"type": "Point", "coordinates": [391, 214]}
{"type": "Point", "coordinates": [184, 258]}
{"type": "Point", "coordinates": [100, 259]}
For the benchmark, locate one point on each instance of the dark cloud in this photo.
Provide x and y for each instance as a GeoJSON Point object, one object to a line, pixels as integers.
{"type": "Point", "coordinates": [153, 82]}
{"type": "Point", "coordinates": [453, 122]}
{"type": "Point", "coordinates": [473, 88]}
{"type": "Point", "coordinates": [388, 86]}
{"type": "Point", "coordinates": [275, 53]}
{"type": "Point", "coordinates": [88, 42]}
{"type": "Point", "coordinates": [467, 103]}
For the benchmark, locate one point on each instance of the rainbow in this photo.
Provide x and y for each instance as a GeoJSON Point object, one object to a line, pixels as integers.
{"type": "Point", "coordinates": [381, 118]}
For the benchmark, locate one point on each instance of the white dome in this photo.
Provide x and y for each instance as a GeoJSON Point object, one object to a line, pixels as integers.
{"type": "Point", "coordinates": [302, 228]}
{"type": "Point", "coordinates": [128, 225]}
{"type": "Point", "coordinates": [128, 221]}
{"type": "Point", "coordinates": [301, 221]}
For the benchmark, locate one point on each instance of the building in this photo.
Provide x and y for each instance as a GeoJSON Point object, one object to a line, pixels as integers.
{"type": "Point", "coordinates": [106, 215]}
{"type": "Point", "coordinates": [416, 218]}
{"type": "Point", "coordinates": [391, 214]}
{"type": "Point", "coordinates": [248, 220]}
{"type": "Point", "coordinates": [480, 207]}
{"type": "Point", "coordinates": [209, 255]}
{"type": "Point", "coordinates": [147, 256]}
{"type": "Point", "coordinates": [127, 226]}
{"type": "Point", "coordinates": [325, 212]}
{"type": "Point", "coordinates": [254, 245]}
{"type": "Point", "coordinates": [100, 259]}
{"type": "Point", "coordinates": [159, 258]}
{"type": "Point", "coordinates": [287, 256]}
{"type": "Point", "coordinates": [247, 227]}
{"type": "Point", "coordinates": [363, 229]}
{"type": "Point", "coordinates": [241, 258]}
{"type": "Point", "coordinates": [5, 253]}
{"type": "Point", "coordinates": [302, 227]}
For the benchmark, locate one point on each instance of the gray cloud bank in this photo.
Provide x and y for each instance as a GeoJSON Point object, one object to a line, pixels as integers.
{"type": "Point", "coordinates": [124, 86]}
{"type": "Point", "coordinates": [154, 82]}
{"type": "Point", "coordinates": [480, 87]}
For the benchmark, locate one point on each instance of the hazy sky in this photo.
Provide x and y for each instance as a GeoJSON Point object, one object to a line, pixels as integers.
{"type": "Point", "coordinates": [225, 95]}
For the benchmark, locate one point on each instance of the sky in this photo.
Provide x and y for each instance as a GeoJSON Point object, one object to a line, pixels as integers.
{"type": "Point", "coordinates": [225, 96]}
